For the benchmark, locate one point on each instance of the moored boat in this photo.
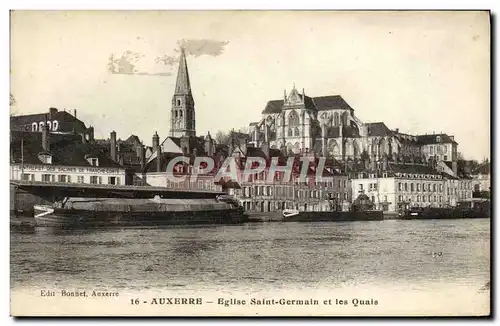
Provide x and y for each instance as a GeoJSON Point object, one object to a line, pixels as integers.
{"type": "Point", "coordinates": [123, 212]}
{"type": "Point", "coordinates": [466, 209]}
{"type": "Point", "coordinates": [331, 216]}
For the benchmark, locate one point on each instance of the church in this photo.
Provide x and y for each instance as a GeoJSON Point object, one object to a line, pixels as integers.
{"type": "Point", "coordinates": [327, 126]}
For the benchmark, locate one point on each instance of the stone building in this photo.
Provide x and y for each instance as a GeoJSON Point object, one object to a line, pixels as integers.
{"type": "Point", "coordinates": [57, 121]}
{"type": "Point", "coordinates": [327, 126]}
{"type": "Point", "coordinates": [62, 158]}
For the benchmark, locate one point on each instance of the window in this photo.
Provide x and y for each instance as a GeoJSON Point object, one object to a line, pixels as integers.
{"type": "Point", "coordinates": [178, 102]}
{"type": "Point", "coordinates": [374, 186]}
{"type": "Point", "coordinates": [418, 198]}
{"type": "Point", "coordinates": [48, 178]}
{"type": "Point", "coordinates": [27, 177]}
{"type": "Point", "coordinates": [46, 159]}
{"type": "Point", "coordinates": [412, 187]}
{"type": "Point", "coordinates": [80, 179]}
{"type": "Point", "coordinates": [400, 186]}
{"type": "Point", "coordinates": [441, 188]}
{"type": "Point", "coordinates": [345, 196]}
{"type": "Point", "coordinates": [373, 199]}
{"type": "Point", "coordinates": [406, 186]}
{"type": "Point", "coordinates": [95, 179]}
{"type": "Point", "coordinates": [345, 183]}
{"type": "Point", "coordinates": [93, 161]}
{"type": "Point", "coordinates": [423, 199]}
{"type": "Point", "coordinates": [112, 180]}
{"type": "Point", "coordinates": [438, 139]}
{"type": "Point", "coordinates": [360, 187]}
{"type": "Point", "coordinates": [290, 133]}
{"type": "Point", "coordinates": [434, 187]}
{"type": "Point", "coordinates": [62, 178]}
{"type": "Point", "coordinates": [418, 186]}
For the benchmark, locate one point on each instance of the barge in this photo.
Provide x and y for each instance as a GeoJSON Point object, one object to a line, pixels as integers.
{"type": "Point", "coordinates": [469, 209]}
{"type": "Point", "coordinates": [77, 211]}
{"type": "Point", "coordinates": [291, 215]}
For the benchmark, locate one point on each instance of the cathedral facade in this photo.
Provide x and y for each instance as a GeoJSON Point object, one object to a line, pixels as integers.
{"type": "Point", "coordinates": [327, 126]}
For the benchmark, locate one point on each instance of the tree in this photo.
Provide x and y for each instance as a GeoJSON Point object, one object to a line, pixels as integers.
{"type": "Point", "coordinates": [12, 103]}
{"type": "Point", "coordinates": [221, 137]}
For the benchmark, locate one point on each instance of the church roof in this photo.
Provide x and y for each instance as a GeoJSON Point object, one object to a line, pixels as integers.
{"type": "Point", "coordinates": [432, 139]}
{"type": "Point", "coordinates": [183, 85]}
{"type": "Point", "coordinates": [378, 129]}
{"type": "Point", "coordinates": [330, 102]}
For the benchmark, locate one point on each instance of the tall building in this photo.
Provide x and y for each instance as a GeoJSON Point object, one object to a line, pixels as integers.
{"type": "Point", "coordinates": [327, 126]}
{"type": "Point", "coordinates": [182, 120]}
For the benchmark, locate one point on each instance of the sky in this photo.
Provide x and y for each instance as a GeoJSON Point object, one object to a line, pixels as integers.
{"type": "Point", "coordinates": [421, 72]}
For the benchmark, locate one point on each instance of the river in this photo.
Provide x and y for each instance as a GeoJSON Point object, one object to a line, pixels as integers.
{"type": "Point", "coordinates": [379, 258]}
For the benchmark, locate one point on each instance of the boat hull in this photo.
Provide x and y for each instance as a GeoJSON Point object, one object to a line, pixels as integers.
{"type": "Point", "coordinates": [335, 216]}
{"type": "Point", "coordinates": [137, 213]}
{"type": "Point", "coordinates": [444, 214]}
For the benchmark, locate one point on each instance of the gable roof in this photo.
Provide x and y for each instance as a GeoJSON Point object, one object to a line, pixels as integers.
{"type": "Point", "coordinates": [330, 102]}
{"type": "Point", "coordinates": [432, 139]}
{"type": "Point", "coordinates": [67, 122]}
{"type": "Point", "coordinates": [68, 150]}
{"type": "Point", "coordinates": [378, 129]}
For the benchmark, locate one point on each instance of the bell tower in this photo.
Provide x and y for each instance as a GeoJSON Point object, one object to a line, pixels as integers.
{"type": "Point", "coordinates": [182, 120]}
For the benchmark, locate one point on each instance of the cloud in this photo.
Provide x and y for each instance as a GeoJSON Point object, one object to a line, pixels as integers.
{"type": "Point", "coordinates": [128, 64]}
{"type": "Point", "coordinates": [135, 63]}
{"type": "Point", "coordinates": [201, 47]}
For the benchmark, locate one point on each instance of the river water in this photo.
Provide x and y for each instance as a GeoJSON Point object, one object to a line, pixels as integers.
{"type": "Point", "coordinates": [433, 257]}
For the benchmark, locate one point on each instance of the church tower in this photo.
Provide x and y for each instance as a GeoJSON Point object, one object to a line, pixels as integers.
{"type": "Point", "coordinates": [182, 115]}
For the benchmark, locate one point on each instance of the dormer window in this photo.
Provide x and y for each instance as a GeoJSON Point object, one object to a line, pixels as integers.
{"type": "Point", "coordinates": [94, 161]}
{"type": "Point", "coordinates": [45, 158]}
{"type": "Point", "coordinates": [34, 126]}
{"type": "Point", "coordinates": [438, 139]}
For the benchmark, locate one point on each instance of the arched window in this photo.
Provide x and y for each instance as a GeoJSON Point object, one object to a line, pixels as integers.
{"type": "Point", "coordinates": [55, 125]}
{"type": "Point", "coordinates": [34, 126]}
{"type": "Point", "coordinates": [336, 119]}
{"type": "Point", "coordinates": [49, 124]}
{"type": "Point", "coordinates": [290, 132]}
{"type": "Point", "coordinates": [293, 119]}
{"type": "Point", "coordinates": [41, 125]}
{"type": "Point", "coordinates": [296, 131]}
{"type": "Point", "coordinates": [345, 118]}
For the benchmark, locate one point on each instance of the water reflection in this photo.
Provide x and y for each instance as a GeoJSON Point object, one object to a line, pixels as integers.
{"type": "Point", "coordinates": [277, 255]}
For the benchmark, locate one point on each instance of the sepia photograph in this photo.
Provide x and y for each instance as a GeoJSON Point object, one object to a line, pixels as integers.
{"type": "Point", "coordinates": [250, 163]}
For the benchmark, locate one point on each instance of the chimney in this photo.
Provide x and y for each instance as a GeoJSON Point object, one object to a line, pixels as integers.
{"type": "Point", "coordinates": [265, 149]}
{"type": "Point", "coordinates": [397, 130]}
{"type": "Point", "coordinates": [454, 167]}
{"type": "Point", "coordinates": [75, 113]}
{"type": "Point", "coordinates": [156, 141]}
{"type": "Point", "coordinates": [452, 138]}
{"type": "Point", "coordinates": [112, 145]}
{"type": "Point", "coordinates": [52, 113]}
{"type": "Point", "coordinates": [209, 145]}
{"type": "Point", "coordinates": [46, 137]}
{"type": "Point", "coordinates": [141, 155]}
{"type": "Point", "coordinates": [184, 143]}
{"type": "Point", "coordinates": [158, 160]}
{"type": "Point", "coordinates": [284, 95]}
{"type": "Point", "coordinates": [91, 133]}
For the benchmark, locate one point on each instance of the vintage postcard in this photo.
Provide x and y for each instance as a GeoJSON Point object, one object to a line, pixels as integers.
{"type": "Point", "coordinates": [250, 163]}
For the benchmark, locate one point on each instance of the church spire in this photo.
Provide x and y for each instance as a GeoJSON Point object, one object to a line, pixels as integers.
{"type": "Point", "coordinates": [183, 86]}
